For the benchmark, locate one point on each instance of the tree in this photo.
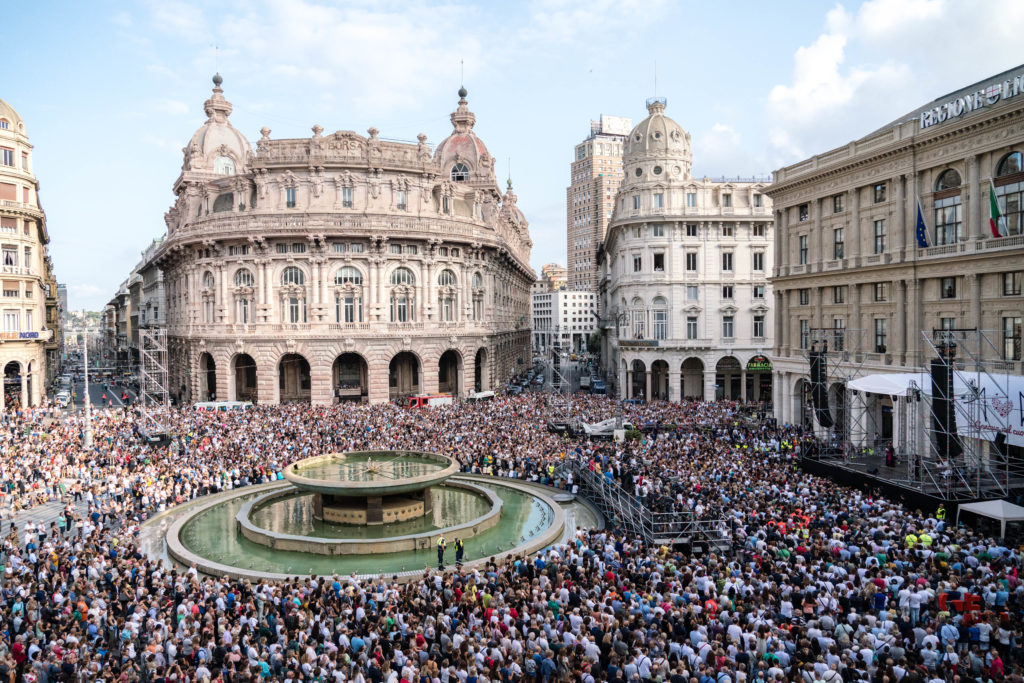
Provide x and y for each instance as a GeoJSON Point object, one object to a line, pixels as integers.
{"type": "Point", "coordinates": [594, 342]}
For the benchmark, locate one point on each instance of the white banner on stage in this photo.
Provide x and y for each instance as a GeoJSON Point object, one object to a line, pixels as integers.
{"type": "Point", "coordinates": [989, 404]}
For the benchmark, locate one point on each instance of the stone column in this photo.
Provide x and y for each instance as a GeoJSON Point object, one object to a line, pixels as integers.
{"type": "Point", "coordinates": [709, 385]}
{"type": "Point", "coordinates": [629, 383]}
{"type": "Point", "coordinates": [743, 384]}
{"type": "Point", "coordinates": [314, 285]}
{"type": "Point", "coordinates": [786, 324]}
{"type": "Point", "coordinates": [913, 322]}
{"type": "Point", "coordinates": [855, 240]}
{"type": "Point", "coordinates": [974, 200]}
{"type": "Point", "coordinates": [855, 321]}
{"type": "Point", "coordinates": [223, 278]}
{"type": "Point", "coordinates": [26, 400]}
{"type": "Point", "coordinates": [902, 324]}
{"type": "Point", "coordinates": [817, 307]}
{"type": "Point", "coordinates": [647, 394]}
{"type": "Point", "coordinates": [974, 281]}
{"type": "Point", "coordinates": [900, 241]}
{"type": "Point", "coordinates": [430, 305]}
{"type": "Point", "coordinates": [675, 391]}
{"type": "Point", "coordinates": [320, 382]}
{"type": "Point", "coordinates": [224, 381]}
{"type": "Point", "coordinates": [377, 379]}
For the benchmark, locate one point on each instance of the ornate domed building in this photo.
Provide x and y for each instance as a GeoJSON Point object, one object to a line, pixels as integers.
{"type": "Point", "coordinates": [685, 274]}
{"type": "Point", "coordinates": [342, 266]}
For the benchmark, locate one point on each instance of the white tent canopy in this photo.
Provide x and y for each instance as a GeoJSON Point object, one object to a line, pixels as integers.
{"type": "Point", "coordinates": [892, 383]}
{"type": "Point", "coordinates": [1003, 510]}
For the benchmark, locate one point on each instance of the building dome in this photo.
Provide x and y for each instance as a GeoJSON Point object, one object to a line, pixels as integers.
{"type": "Point", "coordinates": [14, 120]}
{"type": "Point", "coordinates": [462, 155]}
{"type": "Point", "coordinates": [657, 147]}
{"type": "Point", "coordinates": [217, 147]}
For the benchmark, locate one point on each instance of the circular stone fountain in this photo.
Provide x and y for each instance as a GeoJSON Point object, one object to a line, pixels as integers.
{"type": "Point", "coordinates": [363, 512]}
{"type": "Point", "coordinates": [355, 488]}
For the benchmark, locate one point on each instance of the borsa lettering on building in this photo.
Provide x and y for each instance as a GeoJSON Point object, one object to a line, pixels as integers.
{"type": "Point", "coordinates": [976, 100]}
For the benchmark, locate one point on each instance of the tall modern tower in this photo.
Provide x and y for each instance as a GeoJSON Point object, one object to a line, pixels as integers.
{"type": "Point", "coordinates": [590, 197]}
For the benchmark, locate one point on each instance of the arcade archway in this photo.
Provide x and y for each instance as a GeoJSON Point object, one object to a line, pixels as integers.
{"type": "Point", "coordinates": [692, 384]}
{"type": "Point", "coordinates": [403, 375]}
{"type": "Point", "coordinates": [207, 378]}
{"type": "Point", "coordinates": [481, 375]}
{"type": "Point", "coordinates": [293, 380]}
{"type": "Point", "coordinates": [449, 369]}
{"type": "Point", "coordinates": [727, 378]}
{"type": "Point", "coordinates": [350, 378]}
{"type": "Point", "coordinates": [244, 372]}
{"type": "Point", "coordinates": [659, 380]}
{"type": "Point", "coordinates": [638, 387]}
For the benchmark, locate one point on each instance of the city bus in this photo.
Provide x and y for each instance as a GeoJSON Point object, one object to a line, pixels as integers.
{"type": "Point", "coordinates": [223, 406]}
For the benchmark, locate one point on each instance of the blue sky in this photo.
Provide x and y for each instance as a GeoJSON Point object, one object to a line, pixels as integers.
{"type": "Point", "coordinates": [111, 91]}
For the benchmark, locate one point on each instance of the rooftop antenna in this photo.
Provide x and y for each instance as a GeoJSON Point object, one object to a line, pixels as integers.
{"type": "Point", "coordinates": [510, 170]}
{"type": "Point", "coordinates": [655, 77]}
{"type": "Point", "coordinates": [462, 72]}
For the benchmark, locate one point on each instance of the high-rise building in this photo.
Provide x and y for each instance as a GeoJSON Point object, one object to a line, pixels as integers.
{"type": "Point", "coordinates": [590, 197]}
{"type": "Point", "coordinates": [29, 290]}
{"type": "Point", "coordinates": [686, 263]}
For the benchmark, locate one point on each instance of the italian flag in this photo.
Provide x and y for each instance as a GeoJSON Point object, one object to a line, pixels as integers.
{"type": "Point", "coordinates": [995, 216]}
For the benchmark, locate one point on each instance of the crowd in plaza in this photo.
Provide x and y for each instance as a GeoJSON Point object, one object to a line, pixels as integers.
{"type": "Point", "coordinates": [824, 583]}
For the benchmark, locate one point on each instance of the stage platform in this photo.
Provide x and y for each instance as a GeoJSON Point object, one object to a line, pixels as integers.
{"type": "Point", "coordinates": [919, 484]}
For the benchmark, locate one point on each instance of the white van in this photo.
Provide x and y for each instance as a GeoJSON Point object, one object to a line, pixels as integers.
{"type": "Point", "coordinates": [481, 396]}
{"type": "Point", "coordinates": [62, 399]}
{"type": "Point", "coordinates": [223, 406]}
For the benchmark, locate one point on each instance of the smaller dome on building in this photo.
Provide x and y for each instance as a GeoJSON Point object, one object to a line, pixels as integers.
{"type": "Point", "coordinates": [14, 121]}
{"type": "Point", "coordinates": [217, 147]}
{"type": "Point", "coordinates": [462, 155]}
{"type": "Point", "coordinates": [656, 138]}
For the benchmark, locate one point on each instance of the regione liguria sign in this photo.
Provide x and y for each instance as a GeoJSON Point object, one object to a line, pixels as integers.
{"type": "Point", "coordinates": [965, 104]}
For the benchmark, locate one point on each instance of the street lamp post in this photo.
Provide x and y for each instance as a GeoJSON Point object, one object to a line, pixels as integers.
{"type": "Point", "coordinates": [87, 438]}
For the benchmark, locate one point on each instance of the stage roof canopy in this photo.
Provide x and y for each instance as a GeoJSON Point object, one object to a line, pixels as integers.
{"type": "Point", "coordinates": [891, 384]}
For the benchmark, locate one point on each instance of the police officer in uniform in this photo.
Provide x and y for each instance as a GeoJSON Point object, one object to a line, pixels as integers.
{"type": "Point", "coordinates": [460, 550]}
{"type": "Point", "coordinates": [441, 544]}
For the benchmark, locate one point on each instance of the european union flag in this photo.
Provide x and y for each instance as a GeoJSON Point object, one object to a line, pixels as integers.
{"type": "Point", "coordinates": [922, 229]}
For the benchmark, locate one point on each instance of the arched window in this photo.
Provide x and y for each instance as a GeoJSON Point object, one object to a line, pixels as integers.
{"type": "Point", "coordinates": [949, 180]}
{"type": "Point", "coordinates": [244, 278]}
{"type": "Point", "coordinates": [293, 276]}
{"type": "Point", "coordinates": [478, 281]}
{"type": "Point", "coordinates": [224, 166]}
{"type": "Point", "coordinates": [403, 276]}
{"type": "Point", "coordinates": [660, 306]}
{"type": "Point", "coordinates": [1010, 164]}
{"type": "Point", "coordinates": [348, 275]}
{"type": "Point", "coordinates": [208, 280]}
{"type": "Point", "coordinates": [639, 316]}
{"type": "Point", "coordinates": [4, 124]}
{"type": "Point", "coordinates": [446, 278]}
{"type": "Point", "coordinates": [460, 172]}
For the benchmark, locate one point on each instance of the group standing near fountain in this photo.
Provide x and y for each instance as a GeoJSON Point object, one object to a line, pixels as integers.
{"type": "Point", "coordinates": [824, 584]}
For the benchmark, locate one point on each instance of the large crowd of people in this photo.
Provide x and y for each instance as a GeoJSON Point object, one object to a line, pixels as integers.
{"type": "Point", "coordinates": [824, 583]}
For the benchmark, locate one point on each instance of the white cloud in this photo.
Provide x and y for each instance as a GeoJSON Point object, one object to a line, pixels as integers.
{"type": "Point", "coordinates": [171, 107]}
{"type": "Point", "coordinates": [840, 89]}
{"type": "Point", "coordinates": [721, 152]}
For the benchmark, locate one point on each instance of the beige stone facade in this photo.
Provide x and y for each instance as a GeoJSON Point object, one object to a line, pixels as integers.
{"type": "Point", "coordinates": [686, 264]}
{"type": "Point", "coordinates": [850, 269]}
{"type": "Point", "coordinates": [28, 305]}
{"type": "Point", "coordinates": [342, 266]}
